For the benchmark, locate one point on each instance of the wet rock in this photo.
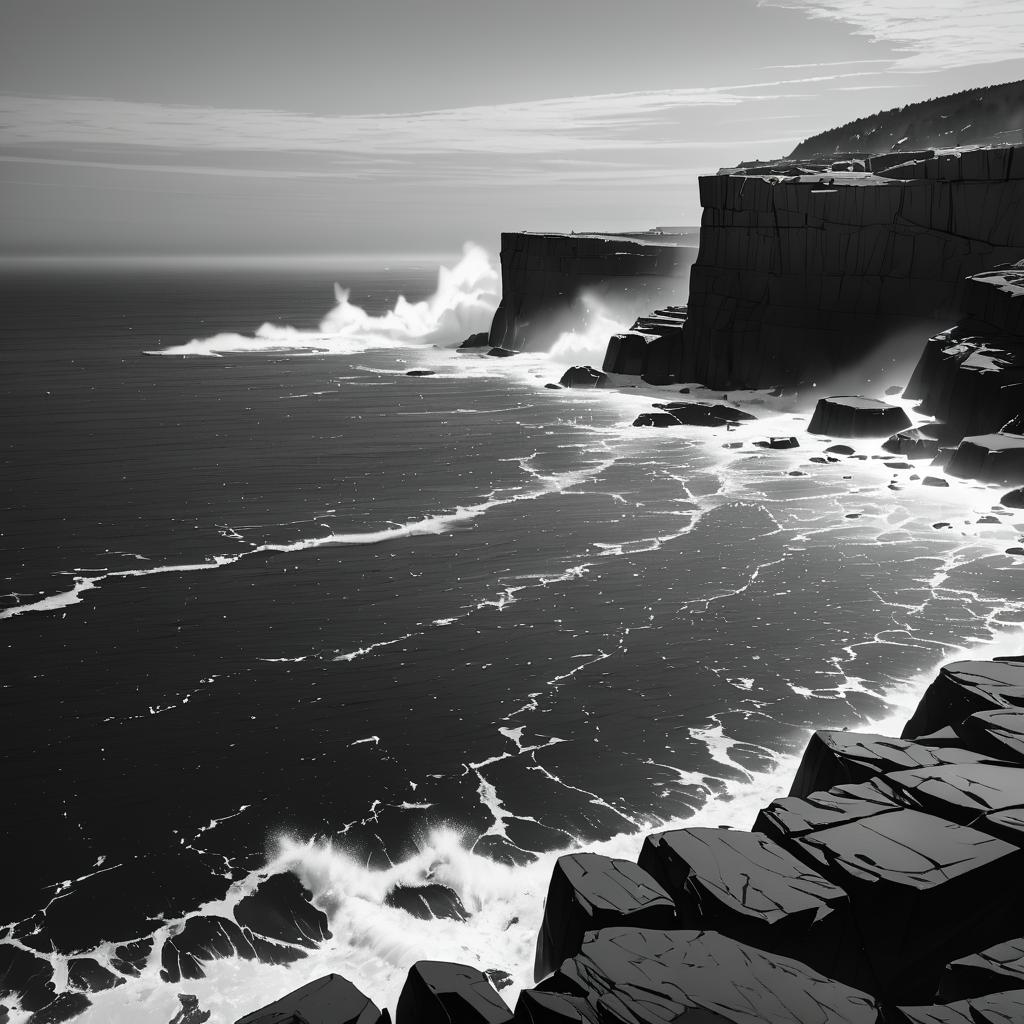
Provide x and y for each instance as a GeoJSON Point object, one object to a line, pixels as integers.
{"type": "Point", "coordinates": [190, 1011]}
{"type": "Point", "coordinates": [641, 976]}
{"type": "Point", "coordinates": [130, 957]}
{"type": "Point", "coordinates": [997, 458]}
{"type": "Point", "coordinates": [583, 377]}
{"type": "Point", "coordinates": [501, 353]}
{"type": "Point", "coordinates": [536, 1007]}
{"type": "Point", "coordinates": [908, 876]}
{"type": "Point", "coordinates": [553, 387]}
{"type": "Point", "coordinates": [202, 938]}
{"type": "Point", "coordinates": [791, 817]}
{"type": "Point", "coordinates": [656, 419]}
{"type": "Point", "coordinates": [64, 1007]}
{"type": "Point", "coordinates": [935, 481]}
{"type": "Point", "coordinates": [840, 449]}
{"type": "Point", "coordinates": [778, 443]}
{"type": "Point", "coordinates": [996, 969]}
{"type": "Point", "coordinates": [588, 891]}
{"type": "Point", "coordinates": [998, 1008]}
{"type": "Point", "coordinates": [893, 389]}
{"type": "Point", "coordinates": [436, 992]}
{"type": "Point", "coordinates": [959, 792]}
{"type": "Point", "coordinates": [746, 886]}
{"type": "Point", "coordinates": [479, 340]}
{"type": "Point", "coordinates": [1013, 499]}
{"type": "Point", "coordinates": [86, 974]}
{"type": "Point", "coordinates": [427, 902]}
{"type": "Point", "coordinates": [27, 977]}
{"type": "Point", "coordinates": [699, 414]}
{"type": "Point", "coordinates": [835, 758]}
{"type": "Point", "coordinates": [915, 443]}
{"type": "Point", "coordinates": [856, 416]}
{"type": "Point", "coordinates": [328, 1000]}
{"type": "Point", "coordinates": [420, 373]}
{"type": "Point", "coordinates": [964, 687]}
{"type": "Point", "coordinates": [280, 908]}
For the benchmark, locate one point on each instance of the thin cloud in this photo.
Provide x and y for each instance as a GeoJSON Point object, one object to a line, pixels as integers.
{"type": "Point", "coordinates": [935, 35]}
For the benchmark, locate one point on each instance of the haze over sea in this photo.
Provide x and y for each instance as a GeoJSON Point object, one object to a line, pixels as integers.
{"type": "Point", "coordinates": [271, 604]}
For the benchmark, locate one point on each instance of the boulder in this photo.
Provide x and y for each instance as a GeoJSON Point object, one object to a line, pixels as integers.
{"type": "Point", "coordinates": [856, 416]}
{"type": "Point", "coordinates": [915, 443]}
{"type": "Point", "coordinates": [644, 976]}
{"type": "Point", "coordinates": [744, 885]}
{"type": "Point", "coordinates": [190, 1011]}
{"type": "Point", "coordinates": [501, 353]}
{"type": "Point", "coordinates": [536, 1007]}
{"type": "Point", "coordinates": [778, 443]}
{"type": "Point", "coordinates": [478, 340]}
{"type": "Point", "coordinates": [840, 449]}
{"type": "Point", "coordinates": [280, 908]}
{"type": "Point", "coordinates": [583, 377]}
{"type": "Point", "coordinates": [996, 458]}
{"type": "Point", "coordinates": [791, 816]}
{"type": "Point", "coordinates": [420, 373]}
{"type": "Point", "coordinates": [1013, 499]}
{"type": "Point", "coordinates": [835, 757]}
{"type": "Point", "coordinates": [436, 992]}
{"type": "Point", "coordinates": [588, 891]}
{"type": "Point", "coordinates": [964, 687]}
{"type": "Point", "coordinates": [656, 419]}
{"type": "Point", "coordinates": [998, 1008]}
{"type": "Point", "coordinates": [328, 1000]}
{"type": "Point", "coordinates": [996, 969]}
{"type": "Point", "coordinates": [923, 891]}
{"type": "Point", "coordinates": [553, 387]}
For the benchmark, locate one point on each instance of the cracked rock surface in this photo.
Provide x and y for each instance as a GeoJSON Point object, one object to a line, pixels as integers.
{"type": "Point", "coordinates": [328, 1000]}
{"type": "Point", "coordinates": [437, 992]}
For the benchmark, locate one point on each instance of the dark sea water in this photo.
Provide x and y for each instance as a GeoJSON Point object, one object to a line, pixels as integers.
{"type": "Point", "coordinates": [283, 609]}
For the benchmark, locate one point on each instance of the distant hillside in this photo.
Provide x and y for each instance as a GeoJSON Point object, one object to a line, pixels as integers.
{"type": "Point", "coordinates": [984, 116]}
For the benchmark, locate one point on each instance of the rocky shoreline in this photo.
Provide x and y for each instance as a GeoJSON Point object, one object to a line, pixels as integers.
{"type": "Point", "coordinates": [885, 889]}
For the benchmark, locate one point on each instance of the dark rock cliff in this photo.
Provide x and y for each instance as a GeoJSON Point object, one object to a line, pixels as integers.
{"type": "Point", "coordinates": [543, 277]}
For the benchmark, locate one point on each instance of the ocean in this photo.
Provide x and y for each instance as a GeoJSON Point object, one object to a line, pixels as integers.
{"type": "Point", "coordinates": [270, 604]}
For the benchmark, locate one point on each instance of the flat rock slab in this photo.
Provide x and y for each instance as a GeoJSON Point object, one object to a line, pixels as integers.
{"type": "Point", "coordinates": [964, 687]}
{"type": "Point", "coordinates": [999, 1008]}
{"type": "Point", "coordinates": [746, 886]}
{"type": "Point", "coordinates": [996, 969]}
{"type": "Point", "coordinates": [836, 758]}
{"type": "Point", "coordinates": [328, 1000]}
{"type": "Point", "coordinates": [856, 416]}
{"type": "Point", "coordinates": [588, 891]}
{"type": "Point", "coordinates": [636, 976]}
{"type": "Point", "coordinates": [960, 792]}
{"type": "Point", "coordinates": [999, 733]}
{"type": "Point", "coordinates": [924, 891]}
{"type": "Point", "coordinates": [438, 992]}
{"type": "Point", "coordinates": [702, 414]}
{"type": "Point", "coordinates": [791, 817]}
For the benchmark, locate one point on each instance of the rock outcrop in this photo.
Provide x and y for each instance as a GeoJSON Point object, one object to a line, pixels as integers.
{"type": "Point", "coordinates": [543, 277]}
{"type": "Point", "coordinates": [856, 416]}
{"type": "Point", "coordinates": [328, 1000]}
{"type": "Point", "coordinates": [436, 992]}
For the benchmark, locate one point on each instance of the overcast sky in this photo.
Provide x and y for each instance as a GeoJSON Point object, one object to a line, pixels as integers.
{"type": "Point", "coordinates": [388, 126]}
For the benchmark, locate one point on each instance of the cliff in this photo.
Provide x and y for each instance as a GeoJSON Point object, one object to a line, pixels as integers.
{"type": "Point", "coordinates": [543, 277]}
{"type": "Point", "coordinates": [885, 889]}
{"type": "Point", "coordinates": [803, 276]}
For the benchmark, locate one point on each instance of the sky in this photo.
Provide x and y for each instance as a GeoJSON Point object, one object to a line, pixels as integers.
{"type": "Point", "coordinates": [316, 127]}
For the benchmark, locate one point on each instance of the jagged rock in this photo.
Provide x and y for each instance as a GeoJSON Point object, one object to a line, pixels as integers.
{"type": "Point", "coordinates": [1013, 499]}
{"type": "Point", "coordinates": [909, 876]}
{"type": "Point", "coordinates": [280, 908]}
{"type": "Point", "coordinates": [999, 734]}
{"type": "Point", "coordinates": [190, 1011]}
{"type": "Point", "coordinates": [89, 976]}
{"type": "Point", "coordinates": [656, 419]}
{"type": "Point", "coordinates": [747, 887]}
{"type": "Point", "coordinates": [779, 443]}
{"type": "Point", "coordinates": [202, 938]}
{"type": "Point", "coordinates": [436, 992]}
{"type": "Point", "coordinates": [536, 1007]}
{"type": "Point", "coordinates": [915, 443]}
{"type": "Point", "coordinates": [328, 1000]}
{"type": "Point", "coordinates": [963, 687]}
{"type": "Point", "coordinates": [856, 416]}
{"type": "Point", "coordinates": [699, 414]}
{"type": "Point", "coordinates": [835, 757]}
{"type": "Point", "coordinates": [998, 458]}
{"type": "Point", "coordinates": [960, 792]}
{"type": "Point", "coordinates": [999, 1008]}
{"type": "Point", "coordinates": [790, 817]}
{"type": "Point", "coordinates": [996, 969]}
{"type": "Point", "coordinates": [588, 891]}
{"type": "Point", "coordinates": [641, 976]}
{"type": "Point", "coordinates": [583, 377]}
{"type": "Point", "coordinates": [427, 902]}
{"type": "Point", "coordinates": [501, 353]}
{"type": "Point", "coordinates": [479, 340]}
{"type": "Point", "coordinates": [420, 373]}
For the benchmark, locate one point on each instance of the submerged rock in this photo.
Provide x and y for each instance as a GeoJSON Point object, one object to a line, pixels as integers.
{"type": "Point", "coordinates": [700, 414]}
{"type": "Point", "coordinates": [190, 1011]}
{"type": "Point", "coordinates": [420, 373]}
{"type": "Point", "coordinates": [280, 908]}
{"type": "Point", "coordinates": [856, 416]}
{"type": "Point", "coordinates": [656, 419]}
{"type": "Point", "coordinates": [328, 1000]}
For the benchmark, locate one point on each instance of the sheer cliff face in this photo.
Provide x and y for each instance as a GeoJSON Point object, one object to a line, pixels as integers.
{"type": "Point", "coordinates": [800, 278]}
{"type": "Point", "coordinates": [544, 277]}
